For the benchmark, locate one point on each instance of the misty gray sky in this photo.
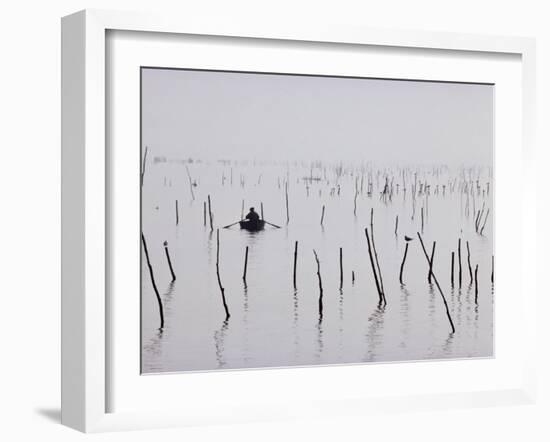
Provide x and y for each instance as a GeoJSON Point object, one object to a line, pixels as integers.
{"type": "Point", "coordinates": [213, 115]}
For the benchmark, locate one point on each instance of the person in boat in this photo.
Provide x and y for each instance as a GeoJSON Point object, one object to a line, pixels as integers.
{"type": "Point", "coordinates": [252, 216]}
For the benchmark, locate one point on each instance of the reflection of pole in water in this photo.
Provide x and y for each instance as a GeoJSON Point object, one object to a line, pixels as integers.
{"type": "Point", "coordinates": [405, 321]}
{"type": "Point", "coordinates": [374, 332]}
{"type": "Point", "coordinates": [219, 343]}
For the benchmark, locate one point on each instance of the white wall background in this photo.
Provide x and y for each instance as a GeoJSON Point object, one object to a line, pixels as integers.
{"type": "Point", "coordinates": [30, 221]}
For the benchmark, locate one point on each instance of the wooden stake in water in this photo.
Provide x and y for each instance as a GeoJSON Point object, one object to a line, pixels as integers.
{"type": "Point", "coordinates": [352, 277]}
{"type": "Point", "coordinates": [190, 183]}
{"type": "Point", "coordinates": [403, 263]}
{"type": "Point", "coordinates": [295, 264]}
{"type": "Point", "coordinates": [430, 271]}
{"type": "Point", "coordinates": [492, 269]}
{"type": "Point", "coordinates": [437, 284]}
{"type": "Point", "coordinates": [373, 265]}
{"type": "Point", "coordinates": [469, 263]}
{"type": "Point", "coordinates": [245, 264]}
{"type": "Point", "coordinates": [341, 270]}
{"type": "Point", "coordinates": [320, 285]}
{"type": "Point", "coordinates": [286, 203]}
{"type": "Point", "coordinates": [396, 224]}
{"type": "Point", "coordinates": [177, 214]}
{"type": "Point", "coordinates": [484, 222]}
{"type": "Point", "coordinates": [169, 261]}
{"type": "Point", "coordinates": [144, 163]}
{"type": "Point", "coordinates": [376, 255]}
{"type": "Point", "coordinates": [262, 210]}
{"type": "Point", "coordinates": [210, 214]}
{"type": "Point", "coordinates": [476, 287]}
{"type": "Point", "coordinates": [161, 310]}
{"type": "Point", "coordinates": [322, 215]}
{"type": "Point", "coordinates": [459, 266]}
{"type": "Point", "coordinates": [222, 290]}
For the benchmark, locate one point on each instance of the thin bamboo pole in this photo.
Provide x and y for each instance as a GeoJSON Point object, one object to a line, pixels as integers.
{"type": "Point", "coordinates": [169, 260]}
{"type": "Point", "coordinates": [161, 310]}
{"type": "Point", "coordinates": [438, 286]}
{"type": "Point", "coordinates": [222, 290]}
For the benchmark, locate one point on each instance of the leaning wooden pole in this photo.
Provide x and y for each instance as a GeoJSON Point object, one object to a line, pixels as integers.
{"type": "Point", "coordinates": [322, 215]}
{"type": "Point", "coordinates": [190, 182]}
{"type": "Point", "coordinates": [245, 264]}
{"type": "Point", "coordinates": [210, 214]}
{"type": "Point", "coordinates": [144, 164]}
{"type": "Point", "coordinates": [373, 265]}
{"type": "Point", "coordinates": [437, 284]}
{"type": "Point", "coordinates": [484, 222]}
{"type": "Point", "coordinates": [320, 285]}
{"type": "Point", "coordinates": [161, 310]}
{"type": "Point", "coordinates": [469, 263]}
{"type": "Point", "coordinates": [169, 260]}
{"type": "Point", "coordinates": [222, 290]}
{"type": "Point", "coordinates": [430, 271]}
{"type": "Point", "coordinates": [376, 255]}
{"type": "Point", "coordinates": [403, 263]}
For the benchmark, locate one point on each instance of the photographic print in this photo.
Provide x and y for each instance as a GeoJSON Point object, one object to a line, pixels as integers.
{"type": "Point", "coordinates": [302, 220]}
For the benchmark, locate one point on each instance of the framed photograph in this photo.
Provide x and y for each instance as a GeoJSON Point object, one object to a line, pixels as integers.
{"type": "Point", "coordinates": [273, 223]}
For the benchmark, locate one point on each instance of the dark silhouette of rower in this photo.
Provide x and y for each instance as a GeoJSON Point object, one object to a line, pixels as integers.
{"type": "Point", "coordinates": [252, 216]}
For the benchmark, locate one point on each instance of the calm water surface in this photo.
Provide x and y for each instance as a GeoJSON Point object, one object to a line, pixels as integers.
{"type": "Point", "coordinates": [271, 323]}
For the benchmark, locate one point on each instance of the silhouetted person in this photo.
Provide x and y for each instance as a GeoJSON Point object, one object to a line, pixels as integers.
{"type": "Point", "coordinates": [252, 216]}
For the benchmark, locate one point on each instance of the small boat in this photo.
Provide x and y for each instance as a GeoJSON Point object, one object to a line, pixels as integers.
{"type": "Point", "coordinates": [252, 226]}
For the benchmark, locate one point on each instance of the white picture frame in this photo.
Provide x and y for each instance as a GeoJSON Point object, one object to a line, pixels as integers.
{"type": "Point", "coordinates": [85, 211]}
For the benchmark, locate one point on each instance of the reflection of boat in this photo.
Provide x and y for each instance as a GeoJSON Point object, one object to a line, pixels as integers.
{"type": "Point", "coordinates": [252, 226]}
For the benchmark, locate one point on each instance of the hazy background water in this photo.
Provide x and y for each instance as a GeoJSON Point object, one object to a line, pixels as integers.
{"type": "Point", "coordinates": [271, 324]}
